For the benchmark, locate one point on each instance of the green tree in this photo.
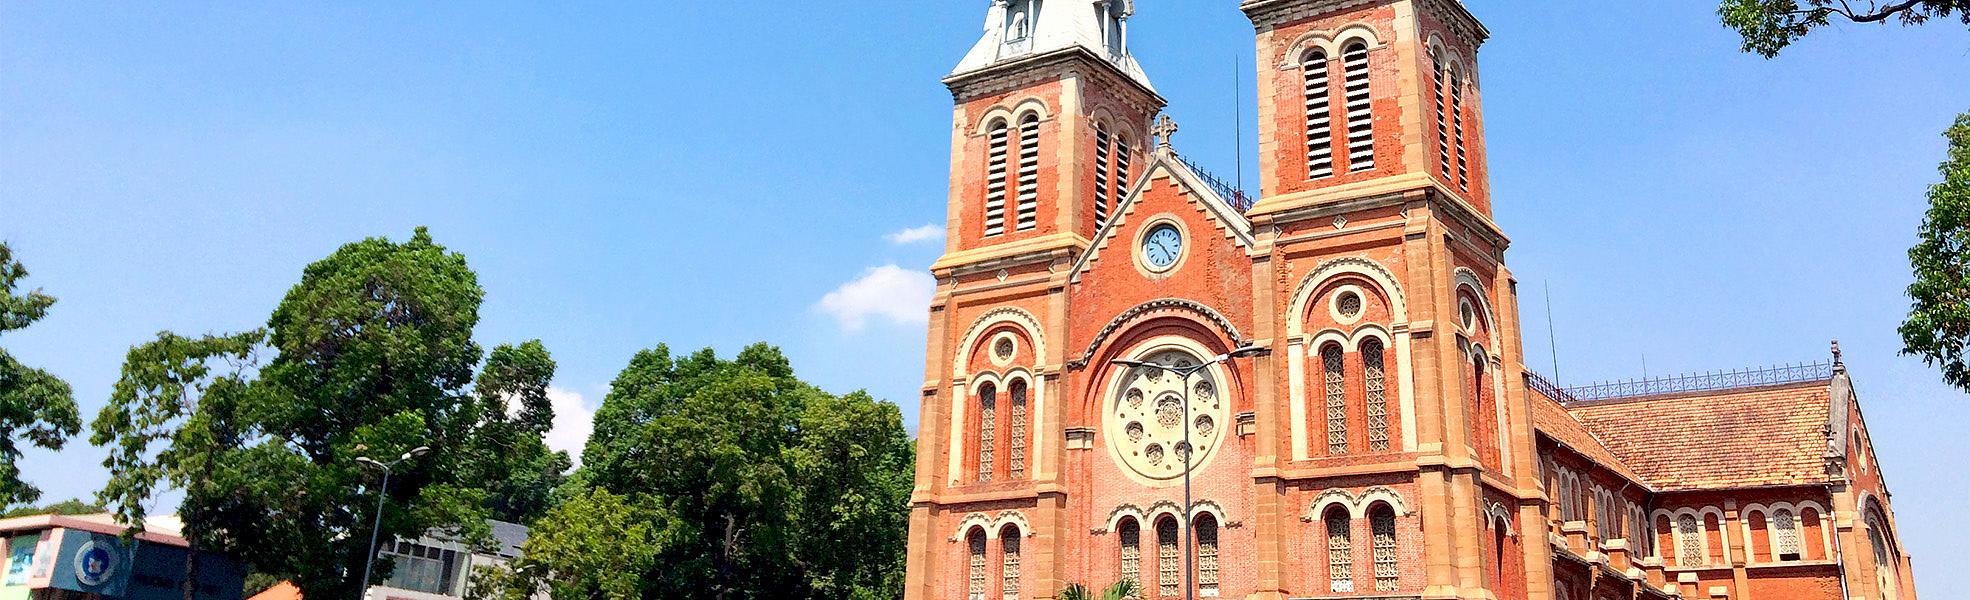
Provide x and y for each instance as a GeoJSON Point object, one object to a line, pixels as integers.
{"type": "Point", "coordinates": [371, 355]}
{"type": "Point", "coordinates": [1769, 26]}
{"type": "Point", "coordinates": [1938, 324]}
{"type": "Point", "coordinates": [72, 506]}
{"type": "Point", "coordinates": [36, 408]}
{"type": "Point", "coordinates": [597, 545]}
{"type": "Point", "coordinates": [1939, 321]}
{"type": "Point", "coordinates": [763, 479]}
{"type": "Point", "coordinates": [1120, 591]}
{"type": "Point", "coordinates": [169, 419]}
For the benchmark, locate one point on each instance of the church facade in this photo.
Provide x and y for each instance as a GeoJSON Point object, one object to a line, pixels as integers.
{"type": "Point", "coordinates": [1336, 364]}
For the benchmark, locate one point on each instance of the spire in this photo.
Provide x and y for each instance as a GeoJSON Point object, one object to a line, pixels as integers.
{"type": "Point", "coordinates": [1016, 29]}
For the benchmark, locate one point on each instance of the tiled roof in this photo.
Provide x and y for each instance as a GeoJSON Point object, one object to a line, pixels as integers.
{"type": "Point", "coordinates": [283, 591]}
{"type": "Point", "coordinates": [1553, 420]}
{"type": "Point", "coordinates": [1731, 438]}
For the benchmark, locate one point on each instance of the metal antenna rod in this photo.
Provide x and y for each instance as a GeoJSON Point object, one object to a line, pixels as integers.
{"type": "Point", "coordinates": [1552, 339]}
{"type": "Point", "coordinates": [1238, 120]}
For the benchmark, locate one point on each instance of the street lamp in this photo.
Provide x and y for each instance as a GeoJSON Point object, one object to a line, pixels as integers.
{"type": "Point", "coordinates": [1189, 555]}
{"type": "Point", "coordinates": [382, 493]}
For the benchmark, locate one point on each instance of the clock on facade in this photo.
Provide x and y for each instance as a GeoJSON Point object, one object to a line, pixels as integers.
{"type": "Point", "coordinates": [1162, 247]}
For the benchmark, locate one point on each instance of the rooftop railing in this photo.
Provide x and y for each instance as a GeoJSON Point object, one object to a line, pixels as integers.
{"type": "Point", "coordinates": [1684, 383]}
{"type": "Point", "coordinates": [1230, 193]}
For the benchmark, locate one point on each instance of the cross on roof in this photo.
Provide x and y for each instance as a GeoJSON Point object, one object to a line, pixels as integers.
{"type": "Point", "coordinates": [1165, 127]}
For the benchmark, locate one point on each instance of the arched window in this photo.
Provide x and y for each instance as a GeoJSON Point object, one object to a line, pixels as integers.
{"type": "Point", "coordinates": [1019, 24]}
{"type": "Point", "coordinates": [1016, 452]}
{"type": "Point", "coordinates": [1207, 555]}
{"type": "Point", "coordinates": [996, 135]}
{"type": "Point", "coordinates": [1129, 536]}
{"type": "Point", "coordinates": [1009, 571]}
{"type": "Point", "coordinates": [1689, 542]}
{"type": "Point", "coordinates": [1388, 574]}
{"type": "Point", "coordinates": [1114, 16]}
{"type": "Point", "coordinates": [975, 545]}
{"type": "Point", "coordinates": [1360, 108]}
{"type": "Point", "coordinates": [1319, 115]}
{"type": "Point", "coordinates": [988, 435]}
{"type": "Point", "coordinates": [1028, 206]}
{"type": "Point", "coordinates": [1442, 114]}
{"type": "Point", "coordinates": [1482, 424]}
{"type": "Point", "coordinates": [1103, 184]}
{"type": "Point", "coordinates": [1169, 559]}
{"type": "Point", "coordinates": [1340, 551]}
{"type": "Point", "coordinates": [1457, 123]}
{"type": "Point", "coordinates": [1887, 571]}
{"type": "Point", "coordinates": [1332, 372]}
{"type": "Point", "coordinates": [1375, 386]}
{"type": "Point", "coordinates": [1785, 535]}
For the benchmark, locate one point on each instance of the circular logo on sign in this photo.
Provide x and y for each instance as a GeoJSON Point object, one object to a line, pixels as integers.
{"type": "Point", "coordinates": [95, 563]}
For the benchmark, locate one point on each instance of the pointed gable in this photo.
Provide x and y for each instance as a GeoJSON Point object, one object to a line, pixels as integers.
{"type": "Point", "coordinates": [1171, 174]}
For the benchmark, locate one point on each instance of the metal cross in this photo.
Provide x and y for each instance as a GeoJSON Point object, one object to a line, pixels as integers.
{"type": "Point", "coordinates": [1165, 127]}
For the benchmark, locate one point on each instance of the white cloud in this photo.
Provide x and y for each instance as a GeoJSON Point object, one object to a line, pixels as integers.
{"type": "Point", "coordinates": [888, 292]}
{"type": "Point", "coordinates": [916, 234]}
{"type": "Point", "coordinates": [574, 419]}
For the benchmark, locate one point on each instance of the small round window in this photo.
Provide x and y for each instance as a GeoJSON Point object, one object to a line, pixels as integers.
{"type": "Point", "coordinates": [1466, 315]}
{"type": "Point", "coordinates": [1003, 349]}
{"type": "Point", "coordinates": [1349, 305]}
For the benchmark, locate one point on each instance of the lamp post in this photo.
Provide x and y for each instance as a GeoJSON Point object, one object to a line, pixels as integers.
{"type": "Point", "coordinates": [382, 494]}
{"type": "Point", "coordinates": [1189, 554]}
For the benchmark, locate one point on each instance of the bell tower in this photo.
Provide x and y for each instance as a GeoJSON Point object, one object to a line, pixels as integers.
{"type": "Point", "coordinates": [1375, 192]}
{"type": "Point", "coordinates": [1051, 121]}
{"type": "Point", "coordinates": [1360, 98]}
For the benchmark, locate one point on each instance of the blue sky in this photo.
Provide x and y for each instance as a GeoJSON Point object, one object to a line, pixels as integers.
{"type": "Point", "coordinates": [718, 173]}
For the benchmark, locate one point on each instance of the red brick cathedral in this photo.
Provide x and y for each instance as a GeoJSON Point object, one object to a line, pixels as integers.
{"type": "Point", "coordinates": [1360, 421]}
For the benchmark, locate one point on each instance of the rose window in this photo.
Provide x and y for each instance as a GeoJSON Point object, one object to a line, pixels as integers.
{"type": "Point", "coordinates": [1145, 406]}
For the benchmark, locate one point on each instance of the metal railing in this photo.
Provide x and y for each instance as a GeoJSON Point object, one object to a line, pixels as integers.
{"type": "Point", "coordinates": [1229, 192]}
{"type": "Point", "coordinates": [1691, 382]}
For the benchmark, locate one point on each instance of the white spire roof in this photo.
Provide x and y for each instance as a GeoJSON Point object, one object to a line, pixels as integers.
{"type": "Point", "coordinates": [1012, 31]}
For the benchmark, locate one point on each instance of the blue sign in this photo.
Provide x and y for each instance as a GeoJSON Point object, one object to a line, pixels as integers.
{"type": "Point", "coordinates": [96, 562]}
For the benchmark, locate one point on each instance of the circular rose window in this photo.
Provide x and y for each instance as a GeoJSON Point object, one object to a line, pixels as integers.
{"type": "Point", "coordinates": [1145, 412]}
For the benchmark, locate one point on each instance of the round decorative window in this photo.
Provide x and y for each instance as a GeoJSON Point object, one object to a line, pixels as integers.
{"type": "Point", "coordinates": [1465, 314]}
{"type": "Point", "coordinates": [1003, 349]}
{"type": "Point", "coordinates": [1349, 305]}
{"type": "Point", "coordinates": [1145, 409]}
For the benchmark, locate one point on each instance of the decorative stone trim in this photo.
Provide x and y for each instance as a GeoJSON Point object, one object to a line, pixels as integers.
{"type": "Point", "coordinates": [1166, 304]}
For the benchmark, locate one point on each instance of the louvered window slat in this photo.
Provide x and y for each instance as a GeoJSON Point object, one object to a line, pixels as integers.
{"type": "Point", "coordinates": [1457, 121]}
{"type": "Point", "coordinates": [1102, 189]}
{"type": "Point", "coordinates": [1360, 109]}
{"type": "Point", "coordinates": [1028, 193]}
{"type": "Point", "coordinates": [995, 179]}
{"type": "Point", "coordinates": [1319, 113]}
{"type": "Point", "coordinates": [1442, 116]}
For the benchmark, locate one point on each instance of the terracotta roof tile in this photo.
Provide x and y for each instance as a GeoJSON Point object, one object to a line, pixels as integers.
{"type": "Point", "coordinates": [1724, 439]}
{"type": "Point", "coordinates": [1553, 420]}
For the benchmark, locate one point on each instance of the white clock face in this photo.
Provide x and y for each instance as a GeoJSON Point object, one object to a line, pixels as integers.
{"type": "Point", "coordinates": [1162, 247]}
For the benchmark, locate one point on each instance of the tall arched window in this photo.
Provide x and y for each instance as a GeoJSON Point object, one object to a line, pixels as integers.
{"type": "Point", "coordinates": [1689, 542]}
{"type": "Point", "coordinates": [1887, 570]}
{"type": "Point", "coordinates": [996, 135]}
{"type": "Point", "coordinates": [1482, 418]}
{"type": "Point", "coordinates": [1016, 451]}
{"type": "Point", "coordinates": [1319, 115]}
{"type": "Point", "coordinates": [1375, 388]}
{"type": "Point", "coordinates": [1207, 555]}
{"type": "Point", "coordinates": [988, 435]}
{"type": "Point", "coordinates": [1442, 114]}
{"type": "Point", "coordinates": [1785, 535]}
{"type": "Point", "coordinates": [1129, 536]}
{"type": "Point", "coordinates": [1388, 573]}
{"type": "Point", "coordinates": [1340, 551]}
{"type": "Point", "coordinates": [1169, 559]}
{"type": "Point", "coordinates": [1333, 374]}
{"type": "Point", "coordinates": [1028, 206]}
{"type": "Point", "coordinates": [975, 565]}
{"type": "Point", "coordinates": [1103, 184]}
{"type": "Point", "coordinates": [1360, 108]}
{"type": "Point", "coordinates": [1009, 570]}
{"type": "Point", "coordinates": [1457, 123]}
